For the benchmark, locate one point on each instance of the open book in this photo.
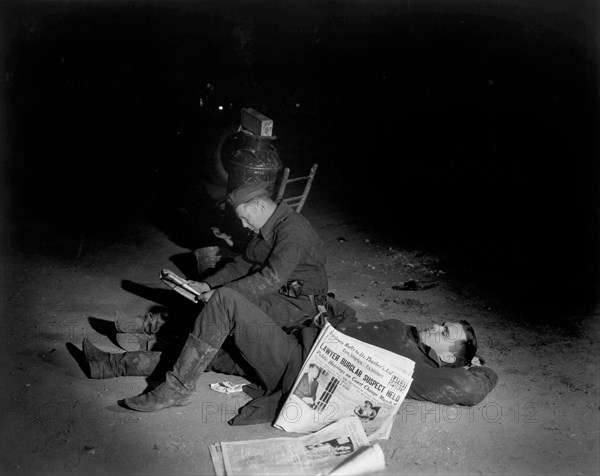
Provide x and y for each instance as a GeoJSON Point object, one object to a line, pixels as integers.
{"type": "Point", "coordinates": [179, 284]}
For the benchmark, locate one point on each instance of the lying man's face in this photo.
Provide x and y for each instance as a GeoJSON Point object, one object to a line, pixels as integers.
{"type": "Point", "coordinates": [442, 338]}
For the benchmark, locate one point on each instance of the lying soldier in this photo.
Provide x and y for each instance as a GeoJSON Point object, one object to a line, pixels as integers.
{"type": "Point", "coordinates": [444, 371]}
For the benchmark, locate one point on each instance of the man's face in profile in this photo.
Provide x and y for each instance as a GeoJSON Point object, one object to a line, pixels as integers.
{"type": "Point", "coordinates": [442, 337]}
{"type": "Point", "coordinates": [250, 214]}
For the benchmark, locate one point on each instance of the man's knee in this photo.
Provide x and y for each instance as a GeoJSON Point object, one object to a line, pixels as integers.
{"type": "Point", "coordinates": [220, 303]}
{"type": "Point", "coordinates": [225, 296]}
{"type": "Point", "coordinates": [216, 317]}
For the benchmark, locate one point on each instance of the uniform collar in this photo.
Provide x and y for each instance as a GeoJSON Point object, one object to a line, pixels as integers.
{"type": "Point", "coordinates": [428, 351]}
{"type": "Point", "coordinates": [432, 354]}
{"type": "Point", "coordinates": [282, 211]}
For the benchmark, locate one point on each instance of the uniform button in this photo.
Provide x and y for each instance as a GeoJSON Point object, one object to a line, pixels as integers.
{"type": "Point", "coordinates": [375, 327]}
{"type": "Point", "coordinates": [359, 327]}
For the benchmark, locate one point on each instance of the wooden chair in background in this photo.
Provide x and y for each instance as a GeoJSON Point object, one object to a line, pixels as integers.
{"type": "Point", "coordinates": [296, 202]}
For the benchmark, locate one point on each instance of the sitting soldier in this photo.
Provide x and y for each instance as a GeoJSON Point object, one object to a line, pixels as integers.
{"type": "Point", "coordinates": [282, 270]}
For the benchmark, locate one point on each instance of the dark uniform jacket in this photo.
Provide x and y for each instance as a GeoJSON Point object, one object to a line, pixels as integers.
{"type": "Point", "coordinates": [287, 248]}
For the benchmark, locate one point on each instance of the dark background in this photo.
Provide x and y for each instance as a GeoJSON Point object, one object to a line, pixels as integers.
{"type": "Point", "coordinates": [465, 127]}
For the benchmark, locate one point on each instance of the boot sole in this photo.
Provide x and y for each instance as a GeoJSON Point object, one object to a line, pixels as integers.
{"type": "Point", "coordinates": [127, 403]}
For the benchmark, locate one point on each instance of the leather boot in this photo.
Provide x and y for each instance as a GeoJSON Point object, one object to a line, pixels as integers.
{"type": "Point", "coordinates": [180, 383]}
{"type": "Point", "coordinates": [106, 365]}
{"type": "Point", "coordinates": [133, 342]}
{"type": "Point", "coordinates": [149, 323]}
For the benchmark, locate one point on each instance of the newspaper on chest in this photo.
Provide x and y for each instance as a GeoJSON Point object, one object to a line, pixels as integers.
{"type": "Point", "coordinates": [344, 376]}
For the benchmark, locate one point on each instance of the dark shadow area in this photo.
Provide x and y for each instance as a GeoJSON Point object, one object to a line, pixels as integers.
{"type": "Point", "coordinates": [465, 129]}
{"type": "Point", "coordinates": [164, 297]}
{"type": "Point", "coordinates": [188, 224]}
{"type": "Point", "coordinates": [79, 357]}
{"type": "Point", "coordinates": [186, 263]}
{"type": "Point", "coordinates": [104, 327]}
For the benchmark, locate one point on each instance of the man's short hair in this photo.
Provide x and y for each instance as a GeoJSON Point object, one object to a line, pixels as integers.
{"type": "Point", "coordinates": [464, 350]}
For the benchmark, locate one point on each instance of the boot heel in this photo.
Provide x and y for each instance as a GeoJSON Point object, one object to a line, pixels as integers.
{"type": "Point", "coordinates": [180, 383]}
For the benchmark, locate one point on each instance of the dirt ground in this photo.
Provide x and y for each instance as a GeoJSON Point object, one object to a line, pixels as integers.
{"type": "Point", "coordinates": [542, 418]}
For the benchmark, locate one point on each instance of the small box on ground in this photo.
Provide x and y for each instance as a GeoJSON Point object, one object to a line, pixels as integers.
{"type": "Point", "coordinates": [257, 123]}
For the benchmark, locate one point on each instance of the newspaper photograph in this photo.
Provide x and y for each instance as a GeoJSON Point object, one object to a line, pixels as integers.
{"type": "Point", "coordinates": [341, 377]}
{"type": "Point", "coordinates": [317, 453]}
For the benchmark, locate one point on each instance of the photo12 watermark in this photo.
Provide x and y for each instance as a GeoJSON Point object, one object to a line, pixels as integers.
{"type": "Point", "coordinates": [523, 413]}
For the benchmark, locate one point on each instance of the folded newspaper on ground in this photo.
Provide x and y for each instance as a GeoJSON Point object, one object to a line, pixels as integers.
{"type": "Point", "coordinates": [340, 448]}
{"type": "Point", "coordinates": [343, 376]}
